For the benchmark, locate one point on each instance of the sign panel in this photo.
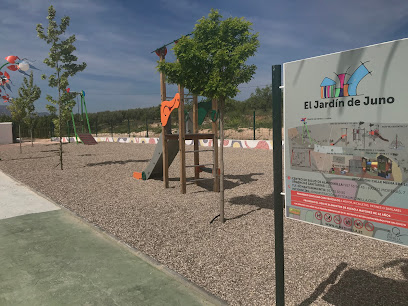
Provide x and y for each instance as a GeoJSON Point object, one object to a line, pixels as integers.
{"type": "Point", "coordinates": [346, 141]}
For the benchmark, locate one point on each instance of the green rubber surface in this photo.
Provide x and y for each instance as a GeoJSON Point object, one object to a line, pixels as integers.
{"type": "Point", "coordinates": [53, 258]}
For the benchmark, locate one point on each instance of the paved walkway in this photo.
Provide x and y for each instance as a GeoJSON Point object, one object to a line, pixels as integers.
{"type": "Point", "coordinates": [50, 257]}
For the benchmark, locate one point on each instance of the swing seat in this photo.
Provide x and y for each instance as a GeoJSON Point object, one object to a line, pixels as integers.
{"type": "Point", "coordinates": [87, 139]}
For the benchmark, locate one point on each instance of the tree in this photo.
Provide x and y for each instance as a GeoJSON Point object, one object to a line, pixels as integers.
{"type": "Point", "coordinates": [61, 59]}
{"type": "Point", "coordinates": [211, 63]}
{"type": "Point", "coordinates": [22, 107]}
{"type": "Point", "coordinates": [262, 98]}
{"type": "Point", "coordinates": [30, 93]}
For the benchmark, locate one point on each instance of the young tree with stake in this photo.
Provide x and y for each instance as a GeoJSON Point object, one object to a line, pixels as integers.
{"type": "Point", "coordinates": [29, 120]}
{"type": "Point", "coordinates": [30, 93]}
{"type": "Point", "coordinates": [211, 63]}
{"type": "Point", "coordinates": [61, 59]}
{"type": "Point", "coordinates": [22, 107]}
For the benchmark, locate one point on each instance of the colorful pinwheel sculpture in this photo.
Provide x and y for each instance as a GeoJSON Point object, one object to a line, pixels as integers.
{"type": "Point", "coordinates": [14, 63]}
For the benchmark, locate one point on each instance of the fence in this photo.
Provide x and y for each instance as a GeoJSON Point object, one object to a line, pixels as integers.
{"type": "Point", "coordinates": [255, 125]}
{"type": "Point", "coordinates": [131, 128]}
{"type": "Point", "coordinates": [37, 132]}
{"type": "Point", "coordinates": [248, 124]}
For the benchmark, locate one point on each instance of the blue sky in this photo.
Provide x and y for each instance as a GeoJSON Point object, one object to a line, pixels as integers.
{"type": "Point", "coordinates": [115, 38]}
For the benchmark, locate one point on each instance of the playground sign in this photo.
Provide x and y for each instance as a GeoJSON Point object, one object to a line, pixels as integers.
{"type": "Point", "coordinates": [346, 141]}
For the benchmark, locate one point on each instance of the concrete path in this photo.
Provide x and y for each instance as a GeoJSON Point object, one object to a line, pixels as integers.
{"type": "Point", "coordinates": [50, 257]}
{"type": "Point", "coordinates": [18, 200]}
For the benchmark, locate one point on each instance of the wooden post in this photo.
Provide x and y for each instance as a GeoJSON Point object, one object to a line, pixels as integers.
{"type": "Point", "coordinates": [196, 141]}
{"type": "Point", "coordinates": [221, 106]}
{"type": "Point", "coordinates": [216, 187]}
{"type": "Point", "coordinates": [128, 127]}
{"type": "Point", "coordinates": [182, 141]}
{"type": "Point", "coordinates": [19, 137]}
{"type": "Point", "coordinates": [164, 139]}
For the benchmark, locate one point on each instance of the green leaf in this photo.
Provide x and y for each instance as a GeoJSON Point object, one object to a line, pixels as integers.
{"type": "Point", "coordinates": [211, 63]}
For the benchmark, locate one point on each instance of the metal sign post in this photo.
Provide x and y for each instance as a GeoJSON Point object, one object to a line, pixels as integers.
{"type": "Point", "coordinates": [277, 183]}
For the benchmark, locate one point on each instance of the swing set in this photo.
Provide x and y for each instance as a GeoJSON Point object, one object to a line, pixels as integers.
{"type": "Point", "coordinates": [85, 138]}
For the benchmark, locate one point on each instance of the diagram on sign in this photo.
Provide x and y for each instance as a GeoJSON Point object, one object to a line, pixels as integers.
{"type": "Point", "coordinates": [360, 149]}
{"type": "Point", "coordinates": [306, 133]}
{"type": "Point", "coordinates": [351, 159]}
{"type": "Point", "coordinates": [396, 144]}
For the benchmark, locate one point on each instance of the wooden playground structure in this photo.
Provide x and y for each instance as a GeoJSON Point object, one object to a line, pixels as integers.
{"type": "Point", "coordinates": [166, 108]}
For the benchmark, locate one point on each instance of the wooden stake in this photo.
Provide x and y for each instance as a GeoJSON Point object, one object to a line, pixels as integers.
{"type": "Point", "coordinates": [222, 104]}
{"type": "Point", "coordinates": [182, 141]}
{"type": "Point", "coordinates": [164, 128]}
{"type": "Point", "coordinates": [216, 186]}
{"type": "Point", "coordinates": [196, 141]}
{"type": "Point", "coordinates": [19, 137]}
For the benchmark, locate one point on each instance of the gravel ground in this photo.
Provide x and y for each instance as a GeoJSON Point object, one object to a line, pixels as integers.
{"type": "Point", "coordinates": [234, 260]}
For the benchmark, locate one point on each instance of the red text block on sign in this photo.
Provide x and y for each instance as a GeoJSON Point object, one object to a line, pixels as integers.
{"type": "Point", "coordinates": [368, 211]}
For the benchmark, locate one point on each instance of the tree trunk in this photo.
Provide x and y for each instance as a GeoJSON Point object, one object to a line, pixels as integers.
{"type": "Point", "coordinates": [31, 134]}
{"type": "Point", "coordinates": [60, 138]}
{"type": "Point", "coordinates": [221, 108]}
{"type": "Point", "coordinates": [60, 118]}
{"type": "Point", "coordinates": [19, 137]}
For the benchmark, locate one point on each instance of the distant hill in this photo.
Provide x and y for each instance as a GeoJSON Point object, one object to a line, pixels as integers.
{"type": "Point", "coordinates": [4, 110]}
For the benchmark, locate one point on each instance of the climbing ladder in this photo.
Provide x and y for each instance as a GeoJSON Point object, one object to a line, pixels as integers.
{"type": "Point", "coordinates": [196, 165]}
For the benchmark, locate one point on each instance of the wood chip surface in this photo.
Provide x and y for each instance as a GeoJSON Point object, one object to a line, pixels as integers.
{"type": "Point", "coordinates": [234, 260]}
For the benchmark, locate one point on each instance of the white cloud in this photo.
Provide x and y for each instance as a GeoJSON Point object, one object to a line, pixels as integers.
{"type": "Point", "coordinates": [180, 6]}
{"type": "Point", "coordinates": [117, 65]}
{"type": "Point", "coordinates": [116, 39]}
{"type": "Point", "coordinates": [41, 6]}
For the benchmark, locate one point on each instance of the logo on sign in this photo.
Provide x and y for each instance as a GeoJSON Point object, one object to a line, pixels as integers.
{"type": "Point", "coordinates": [329, 89]}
